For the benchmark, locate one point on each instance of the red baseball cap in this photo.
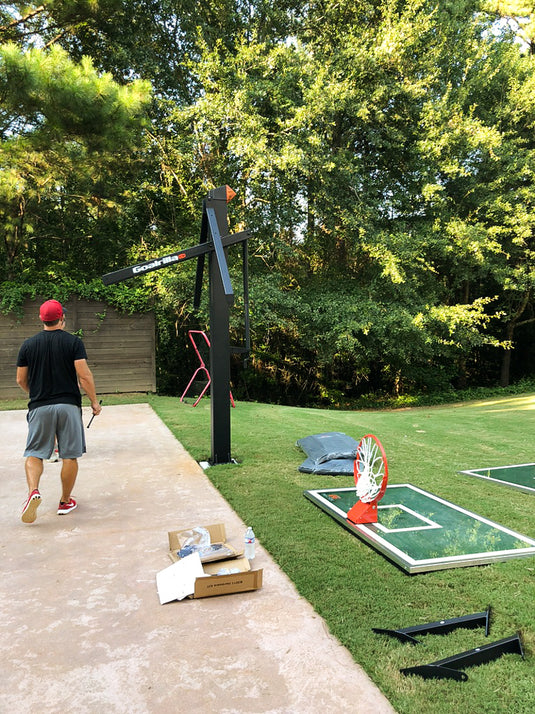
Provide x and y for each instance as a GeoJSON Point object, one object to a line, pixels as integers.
{"type": "Point", "coordinates": [50, 310]}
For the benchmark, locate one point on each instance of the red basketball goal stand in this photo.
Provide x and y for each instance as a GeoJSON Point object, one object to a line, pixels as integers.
{"type": "Point", "coordinates": [201, 368]}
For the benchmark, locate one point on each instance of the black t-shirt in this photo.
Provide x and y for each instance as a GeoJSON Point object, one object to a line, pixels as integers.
{"type": "Point", "coordinates": [50, 357]}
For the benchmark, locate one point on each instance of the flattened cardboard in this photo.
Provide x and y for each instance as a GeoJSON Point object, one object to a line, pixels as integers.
{"type": "Point", "coordinates": [177, 581]}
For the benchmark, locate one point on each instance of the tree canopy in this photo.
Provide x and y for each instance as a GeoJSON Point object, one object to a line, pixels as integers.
{"type": "Point", "coordinates": [382, 154]}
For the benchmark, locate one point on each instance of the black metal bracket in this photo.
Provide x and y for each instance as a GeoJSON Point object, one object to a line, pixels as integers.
{"type": "Point", "coordinates": [441, 627]}
{"type": "Point", "coordinates": [449, 668]}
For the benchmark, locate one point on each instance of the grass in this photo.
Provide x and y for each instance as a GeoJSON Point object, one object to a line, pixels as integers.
{"type": "Point", "coordinates": [350, 585]}
{"type": "Point", "coordinates": [355, 588]}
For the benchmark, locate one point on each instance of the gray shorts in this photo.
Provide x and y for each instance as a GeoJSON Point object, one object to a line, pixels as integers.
{"type": "Point", "coordinates": [61, 421]}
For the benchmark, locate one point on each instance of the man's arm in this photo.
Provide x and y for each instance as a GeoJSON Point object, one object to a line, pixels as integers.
{"type": "Point", "coordinates": [22, 379]}
{"type": "Point", "coordinates": [85, 377]}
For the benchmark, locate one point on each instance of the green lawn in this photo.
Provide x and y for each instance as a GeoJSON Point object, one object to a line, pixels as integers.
{"type": "Point", "coordinates": [355, 588]}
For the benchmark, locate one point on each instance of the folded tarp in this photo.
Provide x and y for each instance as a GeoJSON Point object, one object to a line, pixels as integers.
{"type": "Point", "coordinates": [334, 466]}
{"type": "Point", "coordinates": [330, 445]}
{"type": "Point", "coordinates": [332, 452]}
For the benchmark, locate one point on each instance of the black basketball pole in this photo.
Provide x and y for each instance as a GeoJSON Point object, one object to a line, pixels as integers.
{"type": "Point", "coordinates": [221, 298]}
{"type": "Point", "coordinates": [214, 224]}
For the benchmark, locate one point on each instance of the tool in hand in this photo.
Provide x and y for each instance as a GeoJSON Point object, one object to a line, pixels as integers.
{"type": "Point", "coordinates": [94, 415]}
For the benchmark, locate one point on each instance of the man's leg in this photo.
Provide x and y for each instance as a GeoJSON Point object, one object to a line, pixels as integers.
{"type": "Point", "coordinates": [34, 469]}
{"type": "Point", "coordinates": [71, 445]}
{"type": "Point", "coordinates": [69, 472]}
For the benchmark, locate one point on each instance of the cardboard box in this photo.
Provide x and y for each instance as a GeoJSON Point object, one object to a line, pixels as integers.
{"type": "Point", "coordinates": [243, 581]}
{"type": "Point", "coordinates": [218, 538]}
{"type": "Point", "coordinates": [209, 584]}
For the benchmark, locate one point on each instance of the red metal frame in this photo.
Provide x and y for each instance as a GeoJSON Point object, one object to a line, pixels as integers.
{"type": "Point", "coordinates": [201, 368]}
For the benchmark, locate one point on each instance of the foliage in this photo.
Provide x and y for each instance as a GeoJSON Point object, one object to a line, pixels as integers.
{"type": "Point", "coordinates": [382, 155]}
{"type": "Point", "coordinates": [358, 164]}
{"type": "Point", "coordinates": [13, 294]}
{"type": "Point", "coordinates": [338, 332]}
{"type": "Point", "coordinates": [64, 128]}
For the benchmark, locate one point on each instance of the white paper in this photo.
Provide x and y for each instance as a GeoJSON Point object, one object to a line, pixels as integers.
{"type": "Point", "coordinates": [178, 580]}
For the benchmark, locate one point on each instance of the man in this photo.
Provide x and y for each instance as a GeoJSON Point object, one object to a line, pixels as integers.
{"type": "Point", "coordinates": [50, 367]}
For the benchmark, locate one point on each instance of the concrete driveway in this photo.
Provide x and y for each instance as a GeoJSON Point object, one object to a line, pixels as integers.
{"type": "Point", "coordinates": [81, 624]}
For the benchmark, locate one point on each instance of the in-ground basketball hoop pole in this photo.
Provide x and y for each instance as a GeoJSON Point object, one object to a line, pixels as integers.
{"type": "Point", "coordinates": [214, 241]}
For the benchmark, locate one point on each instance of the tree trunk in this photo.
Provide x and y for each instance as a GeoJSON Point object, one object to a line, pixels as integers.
{"type": "Point", "coordinates": [506, 359]}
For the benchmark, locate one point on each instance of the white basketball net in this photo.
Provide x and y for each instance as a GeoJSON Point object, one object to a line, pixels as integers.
{"type": "Point", "coordinates": [370, 470]}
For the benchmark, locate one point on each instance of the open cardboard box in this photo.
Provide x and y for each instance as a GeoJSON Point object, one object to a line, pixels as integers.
{"type": "Point", "coordinates": [209, 583]}
{"type": "Point", "coordinates": [240, 582]}
{"type": "Point", "coordinates": [218, 537]}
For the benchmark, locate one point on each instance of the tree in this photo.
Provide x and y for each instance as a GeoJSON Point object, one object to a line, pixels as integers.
{"type": "Point", "coordinates": [64, 126]}
{"type": "Point", "coordinates": [364, 151]}
{"type": "Point", "coordinates": [514, 16]}
{"type": "Point", "coordinates": [371, 145]}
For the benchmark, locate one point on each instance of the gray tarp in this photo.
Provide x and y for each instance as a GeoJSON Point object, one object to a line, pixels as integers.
{"type": "Point", "coordinates": [332, 452]}
{"type": "Point", "coordinates": [334, 466]}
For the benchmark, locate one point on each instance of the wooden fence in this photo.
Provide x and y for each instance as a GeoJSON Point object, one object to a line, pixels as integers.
{"type": "Point", "coordinates": [120, 348]}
